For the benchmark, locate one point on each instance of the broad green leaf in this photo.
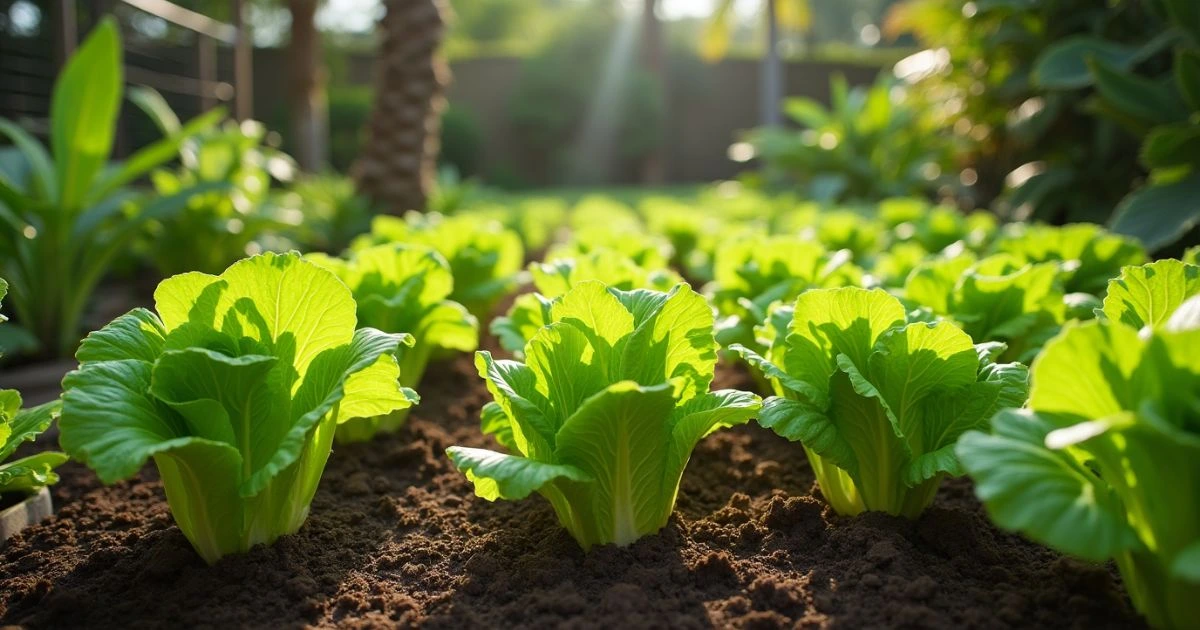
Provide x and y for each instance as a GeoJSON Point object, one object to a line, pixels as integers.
{"type": "Point", "coordinates": [137, 334]}
{"type": "Point", "coordinates": [499, 476]}
{"type": "Point", "coordinates": [83, 113]}
{"type": "Point", "coordinates": [1064, 66]}
{"type": "Point", "coordinates": [1160, 214]}
{"type": "Point", "coordinates": [1085, 372]}
{"type": "Point", "coordinates": [1048, 495]}
{"type": "Point", "coordinates": [110, 422]}
{"type": "Point", "coordinates": [514, 387]}
{"type": "Point", "coordinates": [800, 421]}
{"type": "Point", "coordinates": [673, 342]}
{"type": "Point", "coordinates": [43, 178]}
{"type": "Point", "coordinates": [23, 425]}
{"type": "Point", "coordinates": [1147, 295]}
{"type": "Point", "coordinates": [28, 474]}
{"type": "Point", "coordinates": [932, 283]}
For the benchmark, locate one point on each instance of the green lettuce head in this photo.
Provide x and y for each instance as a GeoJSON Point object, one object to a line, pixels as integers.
{"type": "Point", "coordinates": [878, 403]}
{"type": "Point", "coordinates": [403, 289]}
{"type": "Point", "coordinates": [234, 386]}
{"type": "Point", "coordinates": [602, 416]}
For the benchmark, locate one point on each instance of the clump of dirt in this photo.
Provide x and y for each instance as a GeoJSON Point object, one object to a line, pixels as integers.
{"type": "Point", "coordinates": [397, 538]}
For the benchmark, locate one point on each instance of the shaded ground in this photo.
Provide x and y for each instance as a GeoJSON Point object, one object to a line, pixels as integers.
{"type": "Point", "coordinates": [396, 537]}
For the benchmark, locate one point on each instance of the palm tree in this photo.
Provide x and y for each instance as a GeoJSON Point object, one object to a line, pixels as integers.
{"type": "Point", "coordinates": [794, 14]}
{"type": "Point", "coordinates": [397, 167]}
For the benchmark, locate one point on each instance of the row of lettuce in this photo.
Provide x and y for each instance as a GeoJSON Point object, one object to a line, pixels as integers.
{"type": "Point", "coordinates": [895, 344]}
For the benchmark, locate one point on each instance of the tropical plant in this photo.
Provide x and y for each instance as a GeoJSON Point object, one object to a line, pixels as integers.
{"type": "Point", "coordinates": [602, 416]}
{"type": "Point", "coordinates": [1105, 463]}
{"type": "Point", "coordinates": [1043, 153]}
{"type": "Point", "coordinates": [235, 387]}
{"type": "Point", "coordinates": [1148, 86]}
{"type": "Point", "coordinates": [998, 298]}
{"type": "Point", "coordinates": [403, 289]}
{"type": "Point", "coordinates": [878, 403]}
{"type": "Point", "coordinates": [66, 213]}
{"type": "Point", "coordinates": [484, 257]}
{"type": "Point", "coordinates": [866, 146]}
{"type": "Point", "coordinates": [219, 227]}
{"type": "Point", "coordinates": [34, 472]}
{"type": "Point", "coordinates": [531, 311]}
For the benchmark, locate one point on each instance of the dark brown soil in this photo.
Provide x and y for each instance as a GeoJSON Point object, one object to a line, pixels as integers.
{"type": "Point", "coordinates": [397, 538]}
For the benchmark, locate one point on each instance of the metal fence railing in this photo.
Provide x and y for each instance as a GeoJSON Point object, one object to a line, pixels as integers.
{"type": "Point", "coordinates": [195, 61]}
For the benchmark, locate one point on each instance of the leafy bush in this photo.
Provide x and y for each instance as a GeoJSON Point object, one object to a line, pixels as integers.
{"type": "Point", "coordinates": [878, 403]}
{"type": "Point", "coordinates": [1106, 461]}
{"type": "Point", "coordinates": [403, 289]}
{"type": "Point", "coordinates": [1054, 97]}
{"type": "Point", "coordinates": [484, 257]}
{"type": "Point", "coordinates": [866, 146]}
{"type": "Point", "coordinates": [219, 227]}
{"type": "Point", "coordinates": [28, 474]}
{"type": "Point", "coordinates": [602, 417]}
{"type": "Point", "coordinates": [66, 214]}
{"type": "Point", "coordinates": [235, 387]}
{"type": "Point", "coordinates": [531, 311]}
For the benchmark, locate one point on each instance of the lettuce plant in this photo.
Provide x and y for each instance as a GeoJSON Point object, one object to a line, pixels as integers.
{"type": "Point", "coordinates": [998, 298]}
{"type": "Point", "coordinates": [484, 257]}
{"type": "Point", "coordinates": [878, 403]}
{"type": "Point", "coordinates": [1105, 463]}
{"type": "Point", "coordinates": [67, 213]}
{"type": "Point", "coordinates": [553, 279]}
{"type": "Point", "coordinates": [234, 387]}
{"type": "Point", "coordinates": [1091, 255]}
{"type": "Point", "coordinates": [28, 474]}
{"type": "Point", "coordinates": [403, 289]}
{"type": "Point", "coordinates": [602, 416]}
{"type": "Point", "coordinates": [752, 273]}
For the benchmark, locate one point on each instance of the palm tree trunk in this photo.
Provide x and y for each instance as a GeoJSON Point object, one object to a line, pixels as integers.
{"type": "Point", "coordinates": [398, 165]}
{"type": "Point", "coordinates": [309, 105]}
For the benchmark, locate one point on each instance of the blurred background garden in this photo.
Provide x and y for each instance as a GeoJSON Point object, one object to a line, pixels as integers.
{"type": "Point", "coordinates": [283, 124]}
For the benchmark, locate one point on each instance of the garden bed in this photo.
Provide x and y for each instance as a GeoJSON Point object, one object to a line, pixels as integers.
{"type": "Point", "coordinates": [397, 537]}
